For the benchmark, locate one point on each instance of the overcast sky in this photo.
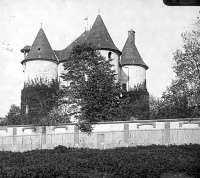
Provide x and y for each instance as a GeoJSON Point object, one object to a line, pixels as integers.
{"type": "Point", "coordinates": [158, 29]}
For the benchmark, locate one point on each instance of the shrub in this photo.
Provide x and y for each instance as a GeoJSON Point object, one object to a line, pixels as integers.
{"type": "Point", "coordinates": [149, 162]}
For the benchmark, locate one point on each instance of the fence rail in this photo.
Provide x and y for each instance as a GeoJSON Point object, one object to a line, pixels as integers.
{"type": "Point", "coordinates": [101, 140]}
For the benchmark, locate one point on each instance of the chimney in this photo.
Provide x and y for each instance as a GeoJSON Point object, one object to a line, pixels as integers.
{"type": "Point", "coordinates": [131, 35]}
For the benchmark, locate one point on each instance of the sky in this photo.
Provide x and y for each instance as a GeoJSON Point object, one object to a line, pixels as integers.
{"type": "Point", "coordinates": [158, 34]}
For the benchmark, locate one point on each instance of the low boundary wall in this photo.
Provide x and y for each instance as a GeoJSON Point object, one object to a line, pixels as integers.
{"type": "Point", "coordinates": [105, 135]}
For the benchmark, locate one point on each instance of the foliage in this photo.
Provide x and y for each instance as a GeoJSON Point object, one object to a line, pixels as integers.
{"type": "Point", "coordinates": [186, 61]}
{"type": "Point", "coordinates": [38, 98]}
{"type": "Point", "coordinates": [137, 162]}
{"type": "Point", "coordinates": [93, 88]}
{"type": "Point", "coordinates": [181, 99]}
{"type": "Point", "coordinates": [136, 102]}
{"type": "Point", "coordinates": [57, 116]}
{"type": "Point", "coordinates": [13, 117]}
{"type": "Point", "coordinates": [155, 105]}
{"type": "Point", "coordinates": [175, 102]}
{"type": "Point", "coordinates": [187, 65]}
{"type": "Point", "coordinates": [85, 126]}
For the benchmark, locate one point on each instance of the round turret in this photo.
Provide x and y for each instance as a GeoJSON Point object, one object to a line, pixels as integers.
{"type": "Point", "coordinates": [110, 54]}
{"type": "Point", "coordinates": [133, 71]}
{"type": "Point", "coordinates": [40, 61]}
{"type": "Point", "coordinates": [101, 39]}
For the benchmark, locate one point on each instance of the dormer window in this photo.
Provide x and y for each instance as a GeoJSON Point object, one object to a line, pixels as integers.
{"type": "Point", "coordinates": [109, 55]}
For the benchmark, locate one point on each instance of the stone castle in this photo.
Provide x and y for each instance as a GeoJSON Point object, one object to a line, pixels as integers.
{"type": "Point", "coordinates": [41, 61]}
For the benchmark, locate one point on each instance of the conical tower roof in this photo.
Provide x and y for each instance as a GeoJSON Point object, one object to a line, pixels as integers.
{"type": "Point", "coordinates": [41, 48]}
{"type": "Point", "coordinates": [100, 37]}
{"type": "Point", "coordinates": [130, 54]}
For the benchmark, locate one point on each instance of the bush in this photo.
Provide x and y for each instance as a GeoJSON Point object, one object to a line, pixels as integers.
{"type": "Point", "coordinates": [149, 162]}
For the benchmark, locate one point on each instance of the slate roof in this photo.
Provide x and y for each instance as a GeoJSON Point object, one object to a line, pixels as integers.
{"type": "Point", "coordinates": [130, 54]}
{"type": "Point", "coordinates": [100, 37]}
{"type": "Point", "coordinates": [64, 54]}
{"type": "Point", "coordinates": [97, 36]}
{"type": "Point", "coordinates": [41, 48]}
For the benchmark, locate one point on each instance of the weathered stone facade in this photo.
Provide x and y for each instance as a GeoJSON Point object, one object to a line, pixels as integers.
{"type": "Point", "coordinates": [40, 69]}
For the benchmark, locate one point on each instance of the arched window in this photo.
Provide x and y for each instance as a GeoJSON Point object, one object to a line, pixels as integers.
{"type": "Point", "coordinates": [109, 55]}
{"type": "Point", "coordinates": [124, 87]}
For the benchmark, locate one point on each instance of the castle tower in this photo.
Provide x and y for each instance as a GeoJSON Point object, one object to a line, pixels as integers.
{"type": "Point", "coordinates": [133, 67]}
{"type": "Point", "coordinates": [101, 39]}
{"type": "Point", "coordinates": [40, 61]}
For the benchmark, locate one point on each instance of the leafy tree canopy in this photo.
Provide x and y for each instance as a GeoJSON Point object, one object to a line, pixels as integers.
{"type": "Point", "coordinates": [181, 99]}
{"type": "Point", "coordinates": [93, 84]}
{"type": "Point", "coordinates": [137, 102]}
{"type": "Point", "coordinates": [13, 117]}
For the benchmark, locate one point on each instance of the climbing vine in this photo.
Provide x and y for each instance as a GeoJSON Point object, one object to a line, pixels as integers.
{"type": "Point", "coordinates": [38, 98]}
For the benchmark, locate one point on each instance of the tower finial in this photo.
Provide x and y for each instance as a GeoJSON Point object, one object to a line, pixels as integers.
{"type": "Point", "coordinates": [41, 25]}
{"type": "Point", "coordinates": [99, 11]}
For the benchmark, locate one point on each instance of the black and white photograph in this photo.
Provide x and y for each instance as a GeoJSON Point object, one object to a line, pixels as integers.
{"type": "Point", "coordinates": [100, 88]}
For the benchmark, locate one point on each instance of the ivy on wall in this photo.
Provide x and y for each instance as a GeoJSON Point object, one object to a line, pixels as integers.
{"type": "Point", "coordinates": [38, 98]}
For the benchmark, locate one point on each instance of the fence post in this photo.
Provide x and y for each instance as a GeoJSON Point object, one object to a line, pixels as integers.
{"type": "Point", "coordinates": [22, 140]}
{"type": "Point", "coordinates": [2, 144]}
{"type": "Point", "coordinates": [31, 142]}
{"type": "Point", "coordinates": [43, 141]}
{"type": "Point", "coordinates": [126, 134]}
{"type": "Point", "coordinates": [167, 133]}
{"type": "Point", "coordinates": [76, 135]}
{"type": "Point", "coordinates": [14, 136]}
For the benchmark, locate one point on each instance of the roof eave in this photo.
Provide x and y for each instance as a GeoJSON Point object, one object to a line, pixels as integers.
{"type": "Point", "coordinates": [114, 50]}
{"type": "Point", "coordinates": [141, 65]}
{"type": "Point", "coordinates": [44, 59]}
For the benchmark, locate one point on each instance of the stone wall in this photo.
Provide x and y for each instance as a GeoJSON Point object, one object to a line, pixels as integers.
{"type": "Point", "coordinates": [136, 74]}
{"type": "Point", "coordinates": [40, 69]}
{"type": "Point", "coordinates": [115, 61]}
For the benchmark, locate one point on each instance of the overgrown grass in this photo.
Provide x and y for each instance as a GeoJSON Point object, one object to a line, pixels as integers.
{"type": "Point", "coordinates": [141, 162]}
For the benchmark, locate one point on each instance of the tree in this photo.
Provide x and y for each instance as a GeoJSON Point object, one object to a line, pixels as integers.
{"type": "Point", "coordinates": [93, 87]}
{"type": "Point", "coordinates": [56, 116]}
{"type": "Point", "coordinates": [175, 101]}
{"type": "Point", "coordinates": [137, 104]}
{"type": "Point", "coordinates": [181, 99]}
{"type": "Point", "coordinates": [155, 105]}
{"type": "Point", "coordinates": [13, 117]}
{"type": "Point", "coordinates": [187, 64]}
